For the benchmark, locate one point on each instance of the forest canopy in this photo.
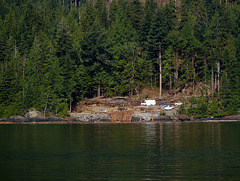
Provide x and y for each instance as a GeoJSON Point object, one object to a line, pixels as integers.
{"type": "Point", "coordinates": [55, 53]}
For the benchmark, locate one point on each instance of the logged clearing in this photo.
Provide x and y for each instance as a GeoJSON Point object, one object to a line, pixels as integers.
{"type": "Point", "coordinates": [101, 104]}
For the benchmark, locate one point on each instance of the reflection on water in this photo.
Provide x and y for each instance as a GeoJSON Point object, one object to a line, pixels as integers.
{"type": "Point", "coordinates": [148, 151]}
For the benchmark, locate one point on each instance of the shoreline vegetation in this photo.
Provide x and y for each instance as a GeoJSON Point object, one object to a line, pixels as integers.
{"type": "Point", "coordinates": [57, 54]}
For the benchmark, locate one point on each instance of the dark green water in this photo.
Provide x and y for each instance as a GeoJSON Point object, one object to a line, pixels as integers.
{"type": "Point", "coordinates": [168, 151]}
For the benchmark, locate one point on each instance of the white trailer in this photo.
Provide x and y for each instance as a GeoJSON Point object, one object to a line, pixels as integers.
{"type": "Point", "coordinates": [149, 103]}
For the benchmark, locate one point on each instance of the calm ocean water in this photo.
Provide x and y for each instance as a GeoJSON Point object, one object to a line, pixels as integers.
{"type": "Point", "coordinates": [148, 151]}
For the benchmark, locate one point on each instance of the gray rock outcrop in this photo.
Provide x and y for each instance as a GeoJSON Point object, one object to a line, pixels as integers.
{"type": "Point", "coordinates": [184, 118]}
{"type": "Point", "coordinates": [148, 117]}
{"type": "Point", "coordinates": [88, 118]}
{"type": "Point", "coordinates": [234, 117]}
{"type": "Point", "coordinates": [34, 115]}
{"type": "Point", "coordinates": [162, 118]}
{"type": "Point", "coordinates": [17, 118]}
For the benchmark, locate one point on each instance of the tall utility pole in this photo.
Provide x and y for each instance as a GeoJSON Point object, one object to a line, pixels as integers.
{"type": "Point", "coordinates": [160, 71]}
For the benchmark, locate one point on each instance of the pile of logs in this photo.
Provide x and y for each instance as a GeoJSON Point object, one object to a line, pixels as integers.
{"type": "Point", "coordinates": [115, 101]}
{"type": "Point", "coordinates": [121, 115]}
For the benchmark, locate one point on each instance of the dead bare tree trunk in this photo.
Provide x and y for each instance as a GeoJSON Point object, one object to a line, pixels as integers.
{"type": "Point", "coordinates": [23, 74]}
{"type": "Point", "coordinates": [218, 75]}
{"type": "Point", "coordinates": [205, 68]}
{"type": "Point", "coordinates": [160, 71]}
{"type": "Point", "coordinates": [70, 102]}
{"type": "Point", "coordinates": [132, 79]}
{"type": "Point", "coordinates": [44, 112]}
{"type": "Point", "coordinates": [151, 82]}
{"type": "Point", "coordinates": [215, 82]}
{"type": "Point", "coordinates": [193, 73]}
{"type": "Point", "coordinates": [99, 89]}
{"type": "Point", "coordinates": [212, 79]}
{"type": "Point", "coordinates": [170, 82]}
{"type": "Point", "coordinates": [176, 70]}
{"type": "Point", "coordinates": [15, 52]}
{"type": "Point", "coordinates": [218, 61]}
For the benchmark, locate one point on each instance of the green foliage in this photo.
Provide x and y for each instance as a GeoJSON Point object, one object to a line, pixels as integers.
{"type": "Point", "coordinates": [168, 68]}
{"type": "Point", "coordinates": [203, 107]}
{"type": "Point", "coordinates": [162, 113]}
{"type": "Point", "coordinates": [54, 54]}
{"type": "Point", "coordinates": [62, 109]}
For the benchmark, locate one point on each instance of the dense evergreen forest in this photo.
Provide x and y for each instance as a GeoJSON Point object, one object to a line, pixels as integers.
{"type": "Point", "coordinates": [54, 53]}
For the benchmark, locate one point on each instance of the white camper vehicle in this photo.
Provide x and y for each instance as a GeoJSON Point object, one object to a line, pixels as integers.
{"type": "Point", "coordinates": [149, 103]}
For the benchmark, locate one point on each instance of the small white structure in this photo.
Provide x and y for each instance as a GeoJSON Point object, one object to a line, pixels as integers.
{"type": "Point", "coordinates": [103, 110]}
{"type": "Point", "coordinates": [149, 103]}
{"type": "Point", "coordinates": [168, 107]}
{"type": "Point", "coordinates": [178, 104]}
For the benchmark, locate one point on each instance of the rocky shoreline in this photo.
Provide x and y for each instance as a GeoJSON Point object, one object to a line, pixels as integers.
{"type": "Point", "coordinates": [36, 117]}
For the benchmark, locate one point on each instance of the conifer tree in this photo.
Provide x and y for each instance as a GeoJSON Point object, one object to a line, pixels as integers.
{"type": "Point", "coordinates": [94, 54]}
{"type": "Point", "coordinates": [149, 9]}
{"type": "Point", "coordinates": [55, 53]}
{"type": "Point", "coordinates": [67, 58]}
{"type": "Point", "coordinates": [189, 48]}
